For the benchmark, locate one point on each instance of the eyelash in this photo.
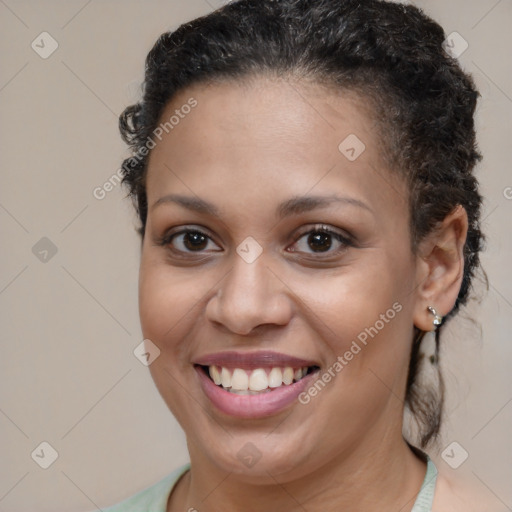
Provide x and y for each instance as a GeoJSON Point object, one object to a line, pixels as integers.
{"type": "Point", "coordinates": [345, 240]}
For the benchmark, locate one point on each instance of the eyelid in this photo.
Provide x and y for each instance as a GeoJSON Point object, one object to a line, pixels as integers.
{"type": "Point", "coordinates": [343, 235]}
{"type": "Point", "coordinates": [169, 235]}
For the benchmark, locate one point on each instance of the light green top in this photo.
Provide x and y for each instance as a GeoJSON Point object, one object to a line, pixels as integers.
{"type": "Point", "coordinates": [425, 497]}
{"type": "Point", "coordinates": [154, 498]}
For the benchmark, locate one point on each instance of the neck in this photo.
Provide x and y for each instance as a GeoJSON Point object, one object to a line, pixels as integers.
{"type": "Point", "coordinates": [385, 476]}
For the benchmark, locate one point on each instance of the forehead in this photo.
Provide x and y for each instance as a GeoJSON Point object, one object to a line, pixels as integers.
{"type": "Point", "coordinates": [270, 139]}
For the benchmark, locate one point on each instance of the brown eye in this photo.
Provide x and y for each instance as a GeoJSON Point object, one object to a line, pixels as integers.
{"type": "Point", "coordinates": [321, 240]}
{"type": "Point", "coordinates": [195, 241]}
{"type": "Point", "coordinates": [189, 240]}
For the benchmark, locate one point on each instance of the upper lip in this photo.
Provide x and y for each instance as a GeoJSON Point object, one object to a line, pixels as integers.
{"type": "Point", "coordinates": [252, 360]}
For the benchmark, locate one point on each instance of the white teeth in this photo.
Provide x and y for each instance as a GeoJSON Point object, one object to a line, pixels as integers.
{"type": "Point", "coordinates": [225, 376]}
{"type": "Point", "coordinates": [215, 375]}
{"type": "Point", "coordinates": [246, 382]}
{"type": "Point", "coordinates": [275, 378]}
{"type": "Point", "coordinates": [249, 392]}
{"type": "Point", "coordinates": [240, 380]}
{"type": "Point", "coordinates": [258, 380]}
{"type": "Point", "coordinates": [288, 375]}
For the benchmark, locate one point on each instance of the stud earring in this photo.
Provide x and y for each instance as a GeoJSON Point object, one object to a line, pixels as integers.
{"type": "Point", "coordinates": [438, 319]}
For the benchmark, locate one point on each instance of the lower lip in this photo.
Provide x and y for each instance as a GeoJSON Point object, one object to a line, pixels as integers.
{"type": "Point", "coordinates": [253, 406]}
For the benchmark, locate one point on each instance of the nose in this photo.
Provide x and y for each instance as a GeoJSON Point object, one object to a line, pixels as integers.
{"type": "Point", "coordinates": [249, 296]}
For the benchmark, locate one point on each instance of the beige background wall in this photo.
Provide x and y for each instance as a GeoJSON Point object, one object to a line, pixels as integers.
{"type": "Point", "coordinates": [70, 323]}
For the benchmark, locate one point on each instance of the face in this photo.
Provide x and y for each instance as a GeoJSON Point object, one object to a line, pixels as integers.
{"type": "Point", "coordinates": [276, 253]}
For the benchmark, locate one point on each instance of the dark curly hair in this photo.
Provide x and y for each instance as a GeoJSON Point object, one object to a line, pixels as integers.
{"type": "Point", "coordinates": [389, 53]}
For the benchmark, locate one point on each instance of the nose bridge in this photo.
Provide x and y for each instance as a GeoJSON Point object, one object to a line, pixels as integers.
{"type": "Point", "coordinates": [246, 282]}
{"type": "Point", "coordinates": [249, 295]}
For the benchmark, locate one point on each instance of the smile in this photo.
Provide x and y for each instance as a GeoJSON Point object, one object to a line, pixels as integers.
{"type": "Point", "coordinates": [253, 382]}
{"type": "Point", "coordinates": [253, 385]}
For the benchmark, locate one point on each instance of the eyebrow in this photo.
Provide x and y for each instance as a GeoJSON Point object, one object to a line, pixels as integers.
{"type": "Point", "coordinates": [293, 206]}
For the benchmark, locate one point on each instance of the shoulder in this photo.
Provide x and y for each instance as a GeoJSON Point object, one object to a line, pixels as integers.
{"type": "Point", "coordinates": [455, 495]}
{"type": "Point", "coordinates": [153, 498]}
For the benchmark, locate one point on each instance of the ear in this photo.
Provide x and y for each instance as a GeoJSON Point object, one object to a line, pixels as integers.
{"type": "Point", "coordinates": [440, 268]}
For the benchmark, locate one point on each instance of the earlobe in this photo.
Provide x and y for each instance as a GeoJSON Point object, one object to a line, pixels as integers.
{"type": "Point", "coordinates": [440, 269]}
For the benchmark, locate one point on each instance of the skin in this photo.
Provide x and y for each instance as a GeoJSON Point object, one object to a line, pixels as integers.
{"type": "Point", "coordinates": [246, 148]}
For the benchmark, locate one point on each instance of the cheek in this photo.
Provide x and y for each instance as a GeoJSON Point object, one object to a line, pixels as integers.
{"type": "Point", "coordinates": [364, 321]}
{"type": "Point", "coordinates": [363, 311]}
{"type": "Point", "coordinates": [166, 300]}
{"type": "Point", "coordinates": [167, 315]}
{"type": "Point", "coordinates": [157, 308]}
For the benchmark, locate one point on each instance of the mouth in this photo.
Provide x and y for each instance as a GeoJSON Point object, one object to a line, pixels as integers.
{"type": "Point", "coordinates": [254, 385]}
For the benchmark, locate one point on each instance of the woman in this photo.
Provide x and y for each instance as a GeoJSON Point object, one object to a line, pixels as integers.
{"type": "Point", "coordinates": [302, 171]}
